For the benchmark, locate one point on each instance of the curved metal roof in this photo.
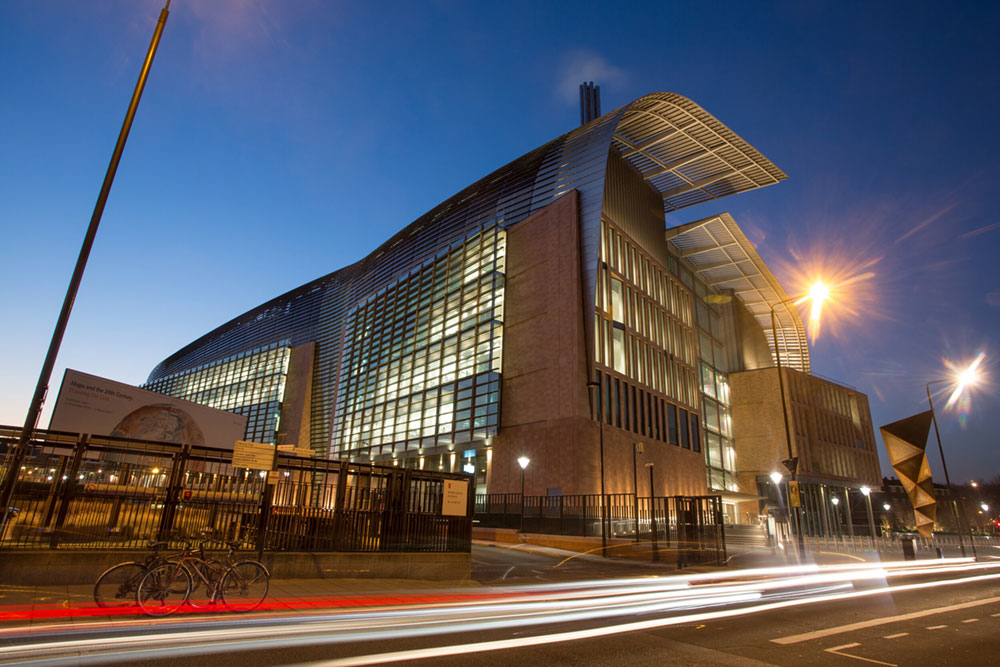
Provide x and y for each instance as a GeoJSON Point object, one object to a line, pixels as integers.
{"type": "Point", "coordinates": [725, 258]}
{"type": "Point", "coordinates": [686, 153]}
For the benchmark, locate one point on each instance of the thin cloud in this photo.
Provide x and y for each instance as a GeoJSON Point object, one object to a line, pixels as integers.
{"type": "Point", "coordinates": [934, 218]}
{"type": "Point", "coordinates": [981, 230]}
{"type": "Point", "coordinates": [993, 299]}
{"type": "Point", "coordinates": [583, 66]}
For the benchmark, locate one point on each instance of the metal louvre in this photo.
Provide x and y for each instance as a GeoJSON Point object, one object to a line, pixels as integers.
{"type": "Point", "coordinates": [725, 258]}
{"type": "Point", "coordinates": [686, 154]}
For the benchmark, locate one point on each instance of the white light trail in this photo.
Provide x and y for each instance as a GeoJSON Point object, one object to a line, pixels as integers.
{"type": "Point", "coordinates": [517, 608]}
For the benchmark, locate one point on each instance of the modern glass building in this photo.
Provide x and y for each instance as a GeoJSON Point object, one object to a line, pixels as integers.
{"type": "Point", "coordinates": [543, 311]}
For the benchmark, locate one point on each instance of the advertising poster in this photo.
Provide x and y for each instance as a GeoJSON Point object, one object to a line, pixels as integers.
{"type": "Point", "coordinates": [96, 405]}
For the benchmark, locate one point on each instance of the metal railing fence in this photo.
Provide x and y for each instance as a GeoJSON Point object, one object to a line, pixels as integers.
{"type": "Point", "coordinates": [83, 492]}
{"type": "Point", "coordinates": [692, 525]}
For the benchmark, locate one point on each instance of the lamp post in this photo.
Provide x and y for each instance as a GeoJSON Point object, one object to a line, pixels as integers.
{"type": "Point", "coordinates": [593, 384]}
{"type": "Point", "coordinates": [636, 449]}
{"type": "Point", "coordinates": [836, 515]}
{"type": "Point", "coordinates": [960, 518]}
{"type": "Point", "coordinates": [867, 493]}
{"type": "Point", "coordinates": [652, 515]}
{"type": "Point", "coordinates": [42, 387]}
{"type": "Point", "coordinates": [817, 294]}
{"type": "Point", "coordinates": [523, 462]}
{"type": "Point", "coordinates": [776, 478]}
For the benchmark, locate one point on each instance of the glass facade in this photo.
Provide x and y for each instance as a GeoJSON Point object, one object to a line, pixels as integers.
{"type": "Point", "coordinates": [716, 345]}
{"type": "Point", "coordinates": [249, 384]}
{"type": "Point", "coordinates": [644, 345]}
{"type": "Point", "coordinates": [422, 357]}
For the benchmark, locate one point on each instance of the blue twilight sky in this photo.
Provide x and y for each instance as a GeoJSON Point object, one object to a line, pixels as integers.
{"type": "Point", "coordinates": [280, 140]}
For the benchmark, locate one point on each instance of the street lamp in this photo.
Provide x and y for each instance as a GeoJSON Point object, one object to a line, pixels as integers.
{"type": "Point", "coordinates": [817, 294]}
{"type": "Point", "coordinates": [965, 378]}
{"type": "Point", "coordinates": [867, 493]}
{"type": "Point", "coordinates": [596, 386]}
{"type": "Point", "coordinates": [636, 449]}
{"type": "Point", "coordinates": [652, 516]}
{"type": "Point", "coordinates": [836, 513]}
{"type": "Point", "coordinates": [523, 462]}
{"type": "Point", "coordinates": [42, 387]}
{"type": "Point", "coordinates": [776, 478]}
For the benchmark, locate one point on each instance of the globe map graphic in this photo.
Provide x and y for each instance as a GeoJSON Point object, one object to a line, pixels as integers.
{"type": "Point", "coordinates": [162, 423]}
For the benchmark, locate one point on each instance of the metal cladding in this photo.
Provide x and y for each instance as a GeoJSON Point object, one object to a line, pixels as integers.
{"type": "Point", "coordinates": [687, 155]}
{"type": "Point", "coordinates": [906, 443]}
{"type": "Point", "coordinates": [725, 258]}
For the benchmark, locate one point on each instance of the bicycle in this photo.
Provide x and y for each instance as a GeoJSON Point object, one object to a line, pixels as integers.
{"type": "Point", "coordinates": [241, 585]}
{"type": "Point", "coordinates": [117, 585]}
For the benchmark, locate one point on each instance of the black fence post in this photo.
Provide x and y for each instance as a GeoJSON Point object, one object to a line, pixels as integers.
{"type": "Point", "coordinates": [266, 503]}
{"type": "Point", "coordinates": [68, 489]}
{"type": "Point", "coordinates": [338, 506]}
{"type": "Point", "coordinates": [173, 491]}
{"type": "Point", "coordinates": [54, 491]}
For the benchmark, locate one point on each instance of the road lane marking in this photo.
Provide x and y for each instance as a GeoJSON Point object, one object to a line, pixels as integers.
{"type": "Point", "coordinates": [838, 650]}
{"type": "Point", "coordinates": [840, 629]}
{"type": "Point", "coordinates": [896, 636]}
{"type": "Point", "coordinates": [970, 620]}
{"type": "Point", "coordinates": [996, 615]}
{"type": "Point", "coordinates": [935, 627]}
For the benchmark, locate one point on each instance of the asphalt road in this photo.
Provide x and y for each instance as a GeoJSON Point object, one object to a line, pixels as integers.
{"type": "Point", "coordinates": [503, 565]}
{"type": "Point", "coordinates": [951, 619]}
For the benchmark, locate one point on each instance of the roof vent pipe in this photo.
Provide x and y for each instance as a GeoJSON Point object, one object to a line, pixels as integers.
{"type": "Point", "coordinates": [590, 102]}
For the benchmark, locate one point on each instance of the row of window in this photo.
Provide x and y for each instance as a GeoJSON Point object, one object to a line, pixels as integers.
{"type": "Point", "coordinates": [250, 384]}
{"type": "Point", "coordinates": [438, 411]}
{"type": "Point", "coordinates": [422, 357]}
{"type": "Point", "coordinates": [623, 405]}
{"type": "Point", "coordinates": [625, 259]}
{"type": "Point", "coordinates": [647, 364]}
{"type": "Point", "coordinates": [640, 313]}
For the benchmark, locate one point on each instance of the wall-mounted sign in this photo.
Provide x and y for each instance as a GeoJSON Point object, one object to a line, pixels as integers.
{"type": "Point", "coordinates": [456, 498]}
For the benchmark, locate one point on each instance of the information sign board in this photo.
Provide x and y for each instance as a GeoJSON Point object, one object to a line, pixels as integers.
{"type": "Point", "coordinates": [253, 455]}
{"type": "Point", "coordinates": [456, 498]}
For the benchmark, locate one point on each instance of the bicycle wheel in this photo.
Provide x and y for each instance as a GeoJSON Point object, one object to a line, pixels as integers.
{"type": "Point", "coordinates": [117, 585]}
{"type": "Point", "coordinates": [244, 586]}
{"type": "Point", "coordinates": [164, 589]}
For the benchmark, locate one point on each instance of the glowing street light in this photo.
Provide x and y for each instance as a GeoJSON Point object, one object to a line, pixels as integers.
{"type": "Point", "coordinates": [836, 514]}
{"type": "Point", "coordinates": [522, 461]}
{"type": "Point", "coordinates": [867, 493]}
{"type": "Point", "coordinates": [817, 294]}
{"type": "Point", "coordinates": [776, 477]}
{"type": "Point", "coordinates": [962, 379]}
{"type": "Point", "coordinates": [966, 378]}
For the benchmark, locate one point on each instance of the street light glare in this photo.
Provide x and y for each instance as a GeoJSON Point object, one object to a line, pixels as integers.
{"type": "Point", "coordinates": [819, 292]}
{"type": "Point", "coordinates": [965, 378]}
{"type": "Point", "coordinates": [523, 462]}
{"type": "Point", "coordinates": [776, 477]}
{"type": "Point", "coordinates": [865, 491]}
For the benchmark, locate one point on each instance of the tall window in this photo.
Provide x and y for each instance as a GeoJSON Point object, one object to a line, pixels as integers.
{"type": "Point", "coordinates": [251, 383]}
{"type": "Point", "coordinates": [421, 362]}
